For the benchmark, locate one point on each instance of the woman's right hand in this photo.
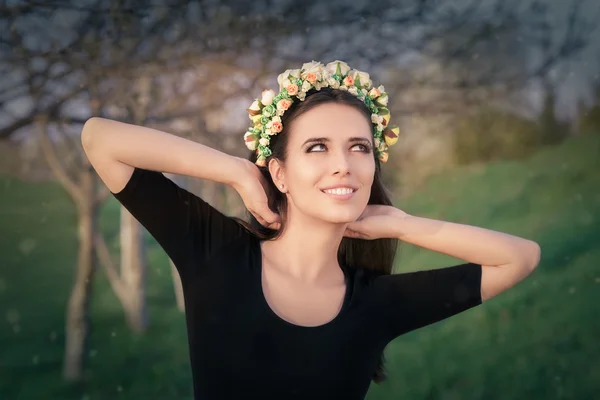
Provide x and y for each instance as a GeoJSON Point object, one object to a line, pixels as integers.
{"type": "Point", "coordinates": [251, 186]}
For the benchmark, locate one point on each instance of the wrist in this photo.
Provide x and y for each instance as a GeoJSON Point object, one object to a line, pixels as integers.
{"type": "Point", "coordinates": [399, 215]}
{"type": "Point", "coordinates": [239, 172]}
{"type": "Point", "coordinates": [400, 221]}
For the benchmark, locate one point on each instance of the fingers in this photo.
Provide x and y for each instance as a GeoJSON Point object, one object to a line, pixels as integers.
{"type": "Point", "coordinates": [270, 219]}
{"type": "Point", "coordinates": [276, 226]}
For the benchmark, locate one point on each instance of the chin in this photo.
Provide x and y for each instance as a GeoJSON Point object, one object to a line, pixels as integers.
{"type": "Point", "coordinates": [341, 214]}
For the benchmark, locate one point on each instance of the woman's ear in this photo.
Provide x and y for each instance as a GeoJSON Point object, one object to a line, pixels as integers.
{"type": "Point", "coordinates": [277, 173]}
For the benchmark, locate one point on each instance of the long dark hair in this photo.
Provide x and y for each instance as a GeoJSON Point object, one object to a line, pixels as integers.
{"type": "Point", "coordinates": [377, 255]}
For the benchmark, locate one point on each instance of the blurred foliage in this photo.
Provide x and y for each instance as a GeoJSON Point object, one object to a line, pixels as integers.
{"type": "Point", "coordinates": [487, 133]}
{"type": "Point", "coordinates": [552, 131]}
{"type": "Point", "coordinates": [588, 118]}
{"type": "Point", "coordinates": [490, 134]}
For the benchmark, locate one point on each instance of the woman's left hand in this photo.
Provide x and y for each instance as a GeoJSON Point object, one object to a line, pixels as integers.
{"type": "Point", "coordinates": [376, 222]}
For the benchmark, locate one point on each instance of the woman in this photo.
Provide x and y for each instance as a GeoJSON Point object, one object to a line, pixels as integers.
{"type": "Point", "coordinates": [300, 302]}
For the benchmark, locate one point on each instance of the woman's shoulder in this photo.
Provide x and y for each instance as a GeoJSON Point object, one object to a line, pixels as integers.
{"type": "Point", "coordinates": [364, 276]}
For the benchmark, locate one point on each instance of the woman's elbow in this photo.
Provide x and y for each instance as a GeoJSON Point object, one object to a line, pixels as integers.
{"type": "Point", "coordinates": [532, 255]}
{"type": "Point", "coordinates": [88, 132]}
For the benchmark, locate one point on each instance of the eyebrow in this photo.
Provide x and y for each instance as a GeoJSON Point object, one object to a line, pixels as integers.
{"type": "Point", "coordinates": [326, 139]}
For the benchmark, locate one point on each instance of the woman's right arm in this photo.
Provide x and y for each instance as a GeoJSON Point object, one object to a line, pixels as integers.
{"type": "Point", "coordinates": [116, 148]}
{"type": "Point", "coordinates": [130, 160]}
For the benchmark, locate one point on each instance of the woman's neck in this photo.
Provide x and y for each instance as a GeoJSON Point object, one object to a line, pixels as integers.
{"type": "Point", "coordinates": [307, 249]}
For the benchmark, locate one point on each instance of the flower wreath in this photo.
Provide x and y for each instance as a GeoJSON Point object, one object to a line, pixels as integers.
{"type": "Point", "coordinates": [295, 83]}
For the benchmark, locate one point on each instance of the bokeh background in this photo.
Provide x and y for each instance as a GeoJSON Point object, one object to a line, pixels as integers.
{"type": "Point", "coordinates": [499, 107]}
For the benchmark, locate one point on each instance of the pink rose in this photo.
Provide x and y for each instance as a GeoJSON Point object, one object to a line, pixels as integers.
{"type": "Point", "coordinates": [284, 104]}
{"type": "Point", "coordinates": [374, 93]}
{"type": "Point", "coordinates": [348, 81]}
{"type": "Point", "coordinates": [311, 77]}
{"type": "Point", "coordinates": [276, 127]}
{"type": "Point", "coordinates": [261, 161]}
{"type": "Point", "coordinates": [292, 89]}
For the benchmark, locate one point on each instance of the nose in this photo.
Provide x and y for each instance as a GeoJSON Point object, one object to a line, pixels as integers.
{"type": "Point", "coordinates": [341, 163]}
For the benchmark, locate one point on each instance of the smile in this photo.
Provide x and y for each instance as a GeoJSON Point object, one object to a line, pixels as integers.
{"type": "Point", "coordinates": [340, 193]}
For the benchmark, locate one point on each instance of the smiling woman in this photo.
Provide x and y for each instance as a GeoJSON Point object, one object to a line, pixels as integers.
{"type": "Point", "coordinates": [300, 301]}
{"type": "Point", "coordinates": [330, 129]}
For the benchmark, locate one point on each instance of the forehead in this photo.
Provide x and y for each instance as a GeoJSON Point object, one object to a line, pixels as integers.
{"type": "Point", "coordinates": [336, 121]}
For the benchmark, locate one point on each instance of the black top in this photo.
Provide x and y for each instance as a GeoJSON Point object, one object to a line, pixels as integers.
{"type": "Point", "coordinates": [239, 348]}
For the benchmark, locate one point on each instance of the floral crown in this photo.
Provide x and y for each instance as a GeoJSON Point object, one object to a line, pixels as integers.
{"type": "Point", "coordinates": [295, 83]}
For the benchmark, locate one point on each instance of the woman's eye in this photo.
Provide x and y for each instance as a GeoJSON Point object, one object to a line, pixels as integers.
{"type": "Point", "coordinates": [363, 148]}
{"type": "Point", "coordinates": [310, 149]}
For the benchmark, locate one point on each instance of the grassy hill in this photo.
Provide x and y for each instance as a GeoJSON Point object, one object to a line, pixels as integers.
{"type": "Point", "coordinates": [536, 341]}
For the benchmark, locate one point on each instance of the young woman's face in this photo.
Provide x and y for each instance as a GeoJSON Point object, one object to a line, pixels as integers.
{"type": "Point", "coordinates": [330, 146]}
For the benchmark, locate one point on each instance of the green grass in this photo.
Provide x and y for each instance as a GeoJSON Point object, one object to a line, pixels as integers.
{"type": "Point", "coordinates": [539, 340]}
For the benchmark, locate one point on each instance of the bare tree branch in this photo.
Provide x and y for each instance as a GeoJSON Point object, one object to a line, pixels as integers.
{"type": "Point", "coordinates": [54, 162]}
{"type": "Point", "coordinates": [109, 266]}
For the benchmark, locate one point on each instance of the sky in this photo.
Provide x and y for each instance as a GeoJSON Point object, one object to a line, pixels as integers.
{"type": "Point", "coordinates": [575, 79]}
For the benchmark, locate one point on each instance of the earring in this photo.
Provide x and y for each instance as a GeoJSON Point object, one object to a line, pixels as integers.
{"type": "Point", "coordinates": [281, 186]}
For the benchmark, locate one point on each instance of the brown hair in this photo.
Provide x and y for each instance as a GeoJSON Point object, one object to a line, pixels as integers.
{"type": "Point", "coordinates": [377, 255]}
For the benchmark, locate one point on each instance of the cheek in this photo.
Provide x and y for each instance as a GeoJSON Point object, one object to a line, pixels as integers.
{"type": "Point", "coordinates": [305, 175]}
{"type": "Point", "coordinates": [366, 173]}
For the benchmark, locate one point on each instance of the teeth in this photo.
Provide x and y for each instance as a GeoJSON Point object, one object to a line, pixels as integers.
{"type": "Point", "coordinates": [339, 191]}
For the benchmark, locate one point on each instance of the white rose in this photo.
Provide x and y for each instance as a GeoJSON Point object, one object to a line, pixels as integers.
{"type": "Point", "coordinates": [255, 106]}
{"type": "Point", "coordinates": [318, 85]}
{"type": "Point", "coordinates": [277, 119]}
{"type": "Point", "coordinates": [313, 66]}
{"type": "Point", "coordinates": [267, 97]}
{"type": "Point", "coordinates": [283, 78]}
{"type": "Point", "coordinates": [382, 100]}
{"type": "Point", "coordinates": [250, 140]}
{"type": "Point", "coordinates": [343, 87]}
{"type": "Point", "coordinates": [376, 118]}
{"type": "Point", "coordinates": [301, 96]}
{"type": "Point", "coordinates": [381, 88]}
{"type": "Point", "coordinates": [264, 141]}
{"type": "Point", "coordinates": [364, 77]}
{"type": "Point", "coordinates": [332, 67]}
{"type": "Point", "coordinates": [279, 112]}
{"type": "Point", "coordinates": [333, 83]}
{"type": "Point", "coordinates": [295, 73]}
{"type": "Point", "coordinates": [306, 86]}
{"type": "Point", "coordinates": [353, 90]}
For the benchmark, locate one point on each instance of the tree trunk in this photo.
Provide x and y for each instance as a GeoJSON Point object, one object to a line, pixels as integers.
{"type": "Point", "coordinates": [77, 319]}
{"type": "Point", "coordinates": [133, 272]}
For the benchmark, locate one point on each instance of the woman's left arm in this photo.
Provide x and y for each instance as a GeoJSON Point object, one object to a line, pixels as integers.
{"type": "Point", "coordinates": [505, 259]}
